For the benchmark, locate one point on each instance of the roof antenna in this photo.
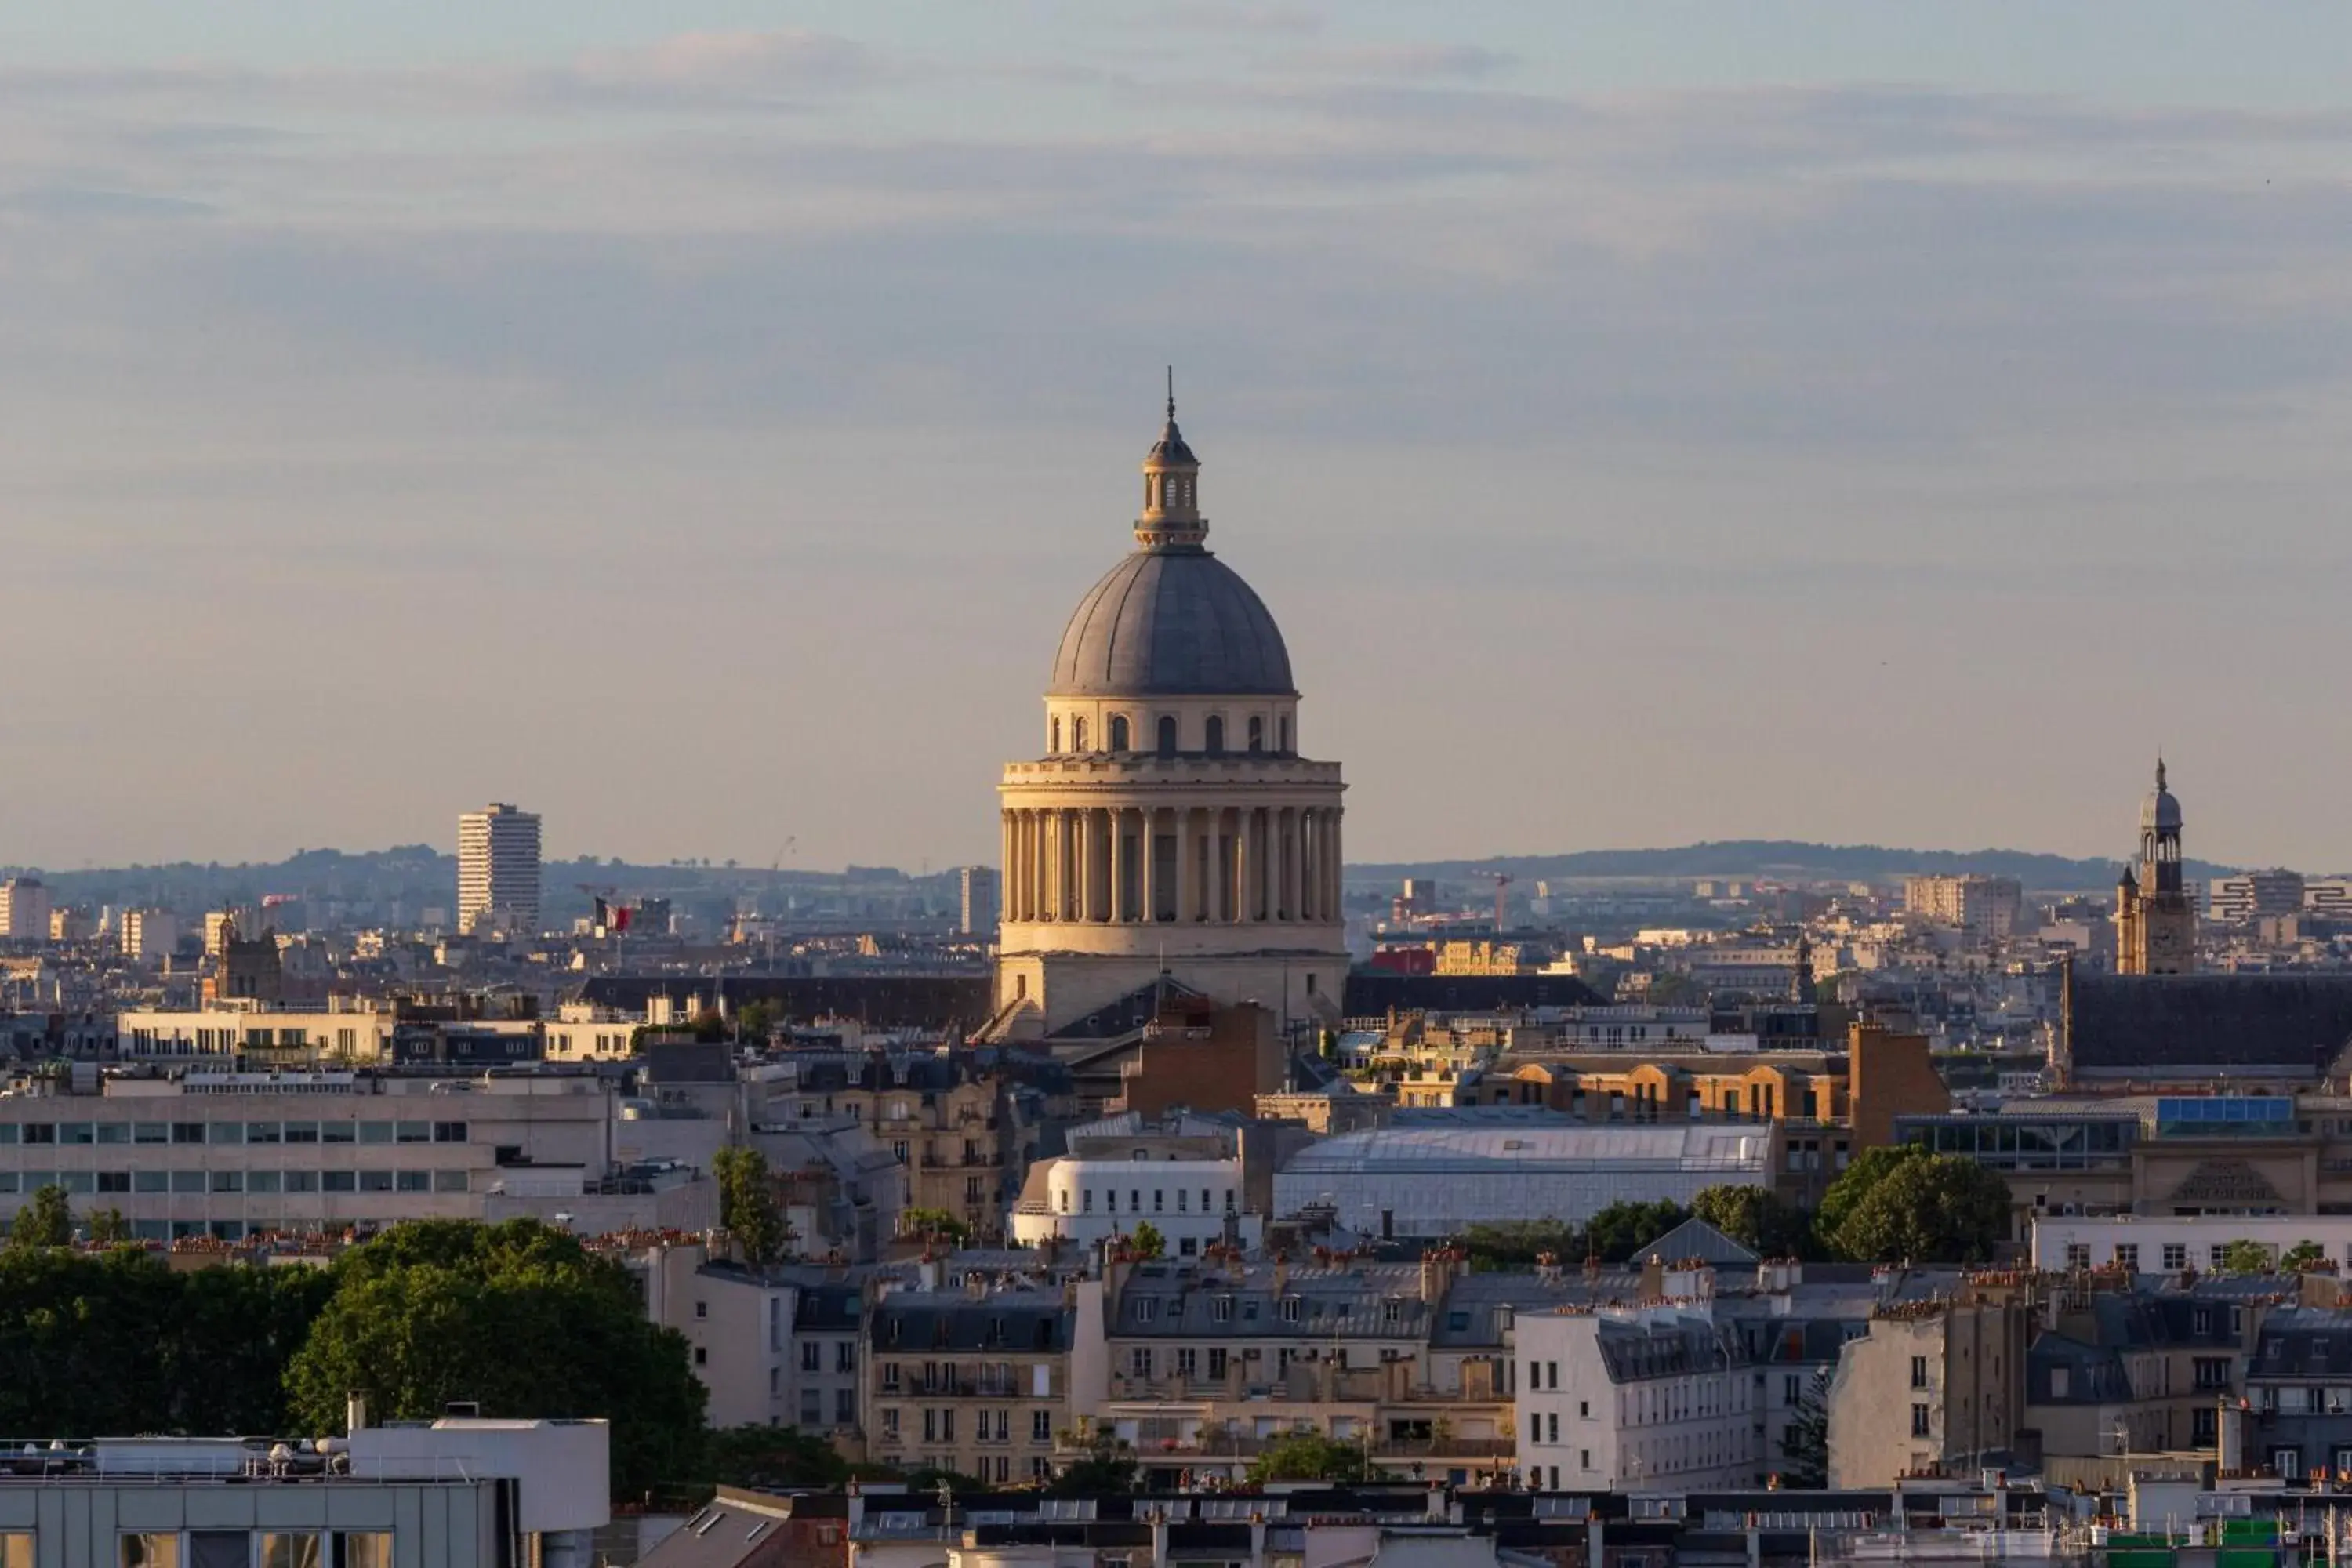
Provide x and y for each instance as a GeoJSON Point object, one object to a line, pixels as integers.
{"type": "Point", "coordinates": [1171, 394]}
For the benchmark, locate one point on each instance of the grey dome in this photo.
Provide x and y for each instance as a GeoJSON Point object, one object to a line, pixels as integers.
{"type": "Point", "coordinates": [2160, 810]}
{"type": "Point", "coordinates": [1171, 623]}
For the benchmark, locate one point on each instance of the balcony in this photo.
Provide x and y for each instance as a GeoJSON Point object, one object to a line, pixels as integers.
{"type": "Point", "coordinates": [1246, 1446]}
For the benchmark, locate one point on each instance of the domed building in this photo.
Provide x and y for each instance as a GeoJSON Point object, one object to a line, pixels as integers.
{"type": "Point", "coordinates": [1170, 827]}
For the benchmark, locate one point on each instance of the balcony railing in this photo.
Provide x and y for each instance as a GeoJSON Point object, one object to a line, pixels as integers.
{"type": "Point", "coordinates": [1246, 1446]}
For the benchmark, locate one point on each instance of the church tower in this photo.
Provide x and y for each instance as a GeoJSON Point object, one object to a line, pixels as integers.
{"type": "Point", "coordinates": [1170, 827]}
{"type": "Point", "coordinates": [2156, 924]}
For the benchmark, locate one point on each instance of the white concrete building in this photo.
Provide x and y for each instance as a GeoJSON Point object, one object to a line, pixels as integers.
{"type": "Point", "coordinates": [150, 935]}
{"type": "Point", "coordinates": [1432, 1179]}
{"type": "Point", "coordinates": [1653, 1398]}
{"type": "Point", "coordinates": [2156, 1244]}
{"type": "Point", "coordinates": [1189, 1203]}
{"type": "Point", "coordinates": [454, 1493]}
{"type": "Point", "coordinates": [358, 1036]}
{"type": "Point", "coordinates": [24, 910]}
{"type": "Point", "coordinates": [229, 1154]}
{"type": "Point", "coordinates": [498, 872]}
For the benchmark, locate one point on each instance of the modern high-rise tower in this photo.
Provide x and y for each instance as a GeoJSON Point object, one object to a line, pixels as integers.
{"type": "Point", "coordinates": [498, 872]}
{"type": "Point", "coordinates": [2156, 922]}
{"type": "Point", "coordinates": [1170, 825]}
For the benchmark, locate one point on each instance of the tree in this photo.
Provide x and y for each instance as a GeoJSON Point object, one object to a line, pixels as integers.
{"type": "Point", "coordinates": [518, 1316]}
{"type": "Point", "coordinates": [933, 1225]}
{"type": "Point", "coordinates": [1805, 1443]}
{"type": "Point", "coordinates": [1868, 1168]}
{"type": "Point", "coordinates": [774, 1458]}
{"type": "Point", "coordinates": [1104, 1469]}
{"type": "Point", "coordinates": [109, 1229]}
{"type": "Point", "coordinates": [2243, 1257]}
{"type": "Point", "coordinates": [755, 1021]}
{"type": "Point", "coordinates": [1147, 1243]}
{"type": "Point", "coordinates": [1621, 1231]}
{"type": "Point", "coordinates": [2303, 1255]}
{"type": "Point", "coordinates": [46, 1221]}
{"type": "Point", "coordinates": [1939, 1209]}
{"type": "Point", "coordinates": [1500, 1246]}
{"type": "Point", "coordinates": [1754, 1216]}
{"type": "Point", "coordinates": [747, 1207]}
{"type": "Point", "coordinates": [1310, 1457]}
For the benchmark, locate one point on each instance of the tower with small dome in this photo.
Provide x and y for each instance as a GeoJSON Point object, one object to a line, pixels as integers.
{"type": "Point", "coordinates": [2156, 922]}
{"type": "Point", "coordinates": [1170, 824]}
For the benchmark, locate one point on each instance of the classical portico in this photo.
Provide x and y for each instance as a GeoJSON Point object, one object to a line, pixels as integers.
{"type": "Point", "coordinates": [1171, 822]}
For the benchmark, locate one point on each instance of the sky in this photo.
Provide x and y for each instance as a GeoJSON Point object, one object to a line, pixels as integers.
{"type": "Point", "coordinates": [1649, 422]}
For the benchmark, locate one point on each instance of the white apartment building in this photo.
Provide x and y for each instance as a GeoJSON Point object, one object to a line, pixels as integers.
{"type": "Point", "coordinates": [2158, 1244]}
{"type": "Point", "coordinates": [1988, 907]}
{"type": "Point", "coordinates": [1651, 1398]}
{"type": "Point", "coordinates": [1191, 1203]}
{"type": "Point", "coordinates": [584, 1032]}
{"type": "Point", "coordinates": [498, 872]}
{"type": "Point", "coordinates": [354, 1037]}
{"type": "Point", "coordinates": [24, 910]}
{"type": "Point", "coordinates": [980, 900]}
{"type": "Point", "coordinates": [454, 1493]}
{"type": "Point", "coordinates": [149, 935]}
{"type": "Point", "coordinates": [230, 1154]}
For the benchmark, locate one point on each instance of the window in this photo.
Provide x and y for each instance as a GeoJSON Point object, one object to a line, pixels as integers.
{"type": "Point", "coordinates": [338, 1181]}
{"type": "Point", "coordinates": [16, 1550]}
{"type": "Point", "coordinates": [1920, 1428]}
{"type": "Point", "coordinates": [1218, 1361]}
{"type": "Point", "coordinates": [1290, 1308]}
{"type": "Point", "coordinates": [1918, 1372]}
{"type": "Point", "coordinates": [1053, 734]}
{"type": "Point", "coordinates": [2127, 1256]}
{"type": "Point", "coordinates": [450, 1132]}
{"type": "Point", "coordinates": [845, 1407]}
{"type": "Point", "coordinates": [363, 1549]}
{"type": "Point", "coordinates": [1138, 1362]}
{"type": "Point", "coordinates": [2176, 1257]}
{"type": "Point", "coordinates": [1584, 1410]}
{"type": "Point", "coordinates": [1216, 739]}
{"type": "Point", "coordinates": [2061, 1381]}
{"type": "Point", "coordinates": [2213, 1372]}
{"type": "Point", "coordinates": [1286, 752]}
{"type": "Point", "coordinates": [188, 1131]}
{"type": "Point", "coordinates": [1077, 734]}
{"type": "Point", "coordinates": [1041, 1425]}
{"type": "Point", "coordinates": [890, 1377]}
{"type": "Point", "coordinates": [811, 1407]}
{"type": "Point", "coordinates": [844, 1355]}
{"type": "Point", "coordinates": [1257, 734]}
{"type": "Point", "coordinates": [812, 1354]}
{"type": "Point", "coordinates": [150, 1552]}
{"type": "Point", "coordinates": [1167, 735]}
{"type": "Point", "coordinates": [891, 1422]}
{"type": "Point", "coordinates": [285, 1550]}
{"type": "Point", "coordinates": [1552, 1427]}
{"type": "Point", "coordinates": [375, 1132]}
{"type": "Point", "coordinates": [1119, 732]}
{"type": "Point", "coordinates": [448, 1181]}
{"type": "Point", "coordinates": [1186, 1362]}
{"type": "Point", "coordinates": [2078, 1255]}
{"type": "Point", "coordinates": [701, 1356]}
{"type": "Point", "coordinates": [375, 1181]}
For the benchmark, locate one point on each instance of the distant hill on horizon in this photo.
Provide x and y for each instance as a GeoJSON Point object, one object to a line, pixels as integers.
{"type": "Point", "coordinates": [1785, 859]}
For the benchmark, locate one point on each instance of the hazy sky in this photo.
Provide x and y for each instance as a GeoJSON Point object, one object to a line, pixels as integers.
{"type": "Point", "coordinates": [1649, 422]}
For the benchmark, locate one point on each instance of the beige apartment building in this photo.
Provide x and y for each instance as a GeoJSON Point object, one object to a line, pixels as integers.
{"type": "Point", "coordinates": [1935, 1388]}
{"type": "Point", "coordinates": [980, 1381]}
{"type": "Point", "coordinates": [1987, 908]}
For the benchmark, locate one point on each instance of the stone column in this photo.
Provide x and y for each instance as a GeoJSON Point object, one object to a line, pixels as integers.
{"type": "Point", "coordinates": [1245, 866]}
{"type": "Point", "coordinates": [1339, 860]}
{"type": "Point", "coordinates": [1148, 842]}
{"type": "Point", "coordinates": [1310, 865]}
{"type": "Point", "coordinates": [1291, 879]}
{"type": "Point", "coordinates": [1116, 815]}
